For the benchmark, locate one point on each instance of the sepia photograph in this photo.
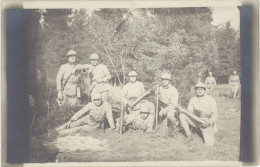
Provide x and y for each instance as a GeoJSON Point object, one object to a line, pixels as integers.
{"type": "Point", "coordinates": [131, 84]}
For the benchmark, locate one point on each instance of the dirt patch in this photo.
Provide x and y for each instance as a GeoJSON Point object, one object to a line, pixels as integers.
{"type": "Point", "coordinates": [80, 143]}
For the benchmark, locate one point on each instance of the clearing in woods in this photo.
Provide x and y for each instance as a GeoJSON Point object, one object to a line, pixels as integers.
{"type": "Point", "coordinates": [133, 145]}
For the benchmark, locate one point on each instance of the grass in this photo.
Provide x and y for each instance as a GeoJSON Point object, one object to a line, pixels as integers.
{"type": "Point", "coordinates": [136, 146]}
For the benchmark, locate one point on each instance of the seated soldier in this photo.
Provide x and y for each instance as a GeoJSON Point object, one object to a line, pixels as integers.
{"type": "Point", "coordinates": [91, 115]}
{"type": "Point", "coordinates": [132, 91]}
{"type": "Point", "coordinates": [204, 107]}
{"type": "Point", "coordinates": [141, 119]}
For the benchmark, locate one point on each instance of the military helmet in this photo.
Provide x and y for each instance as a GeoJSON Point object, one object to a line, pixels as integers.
{"type": "Point", "coordinates": [200, 85]}
{"type": "Point", "coordinates": [71, 53]}
{"type": "Point", "coordinates": [166, 76]}
{"type": "Point", "coordinates": [94, 56]}
{"type": "Point", "coordinates": [144, 109]}
{"type": "Point", "coordinates": [132, 74]}
{"type": "Point", "coordinates": [96, 96]}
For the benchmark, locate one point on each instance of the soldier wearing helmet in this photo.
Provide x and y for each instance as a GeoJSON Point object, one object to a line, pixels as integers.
{"type": "Point", "coordinates": [204, 107]}
{"type": "Point", "coordinates": [234, 82]}
{"type": "Point", "coordinates": [142, 119]}
{"type": "Point", "coordinates": [92, 115]}
{"type": "Point", "coordinates": [210, 83]}
{"type": "Point", "coordinates": [132, 90]}
{"type": "Point", "coordinates": [168, 100]}
{"type": "Point", "coordinates": [99, 77]}
{"type": "Point", "coordinates": [67, 81]}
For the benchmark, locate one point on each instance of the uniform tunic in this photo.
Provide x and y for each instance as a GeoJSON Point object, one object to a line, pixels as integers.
{"type": "Point", "coordinates": [210, 81]}
{"type": "Point", "coordinates": [100, 73]}
{"type": "Point", "coordinates": [67, 72]}
{"type": "Point", "coordinates": [140, 123]}
{"type": "Point", "coordinates": [133, 90]}
{"type": "Point", "coordinates": [205, 108]}
{"type": "Point", "coordinates": [168, 97]}
{"type": "Point", "coordinates": [93, 115]}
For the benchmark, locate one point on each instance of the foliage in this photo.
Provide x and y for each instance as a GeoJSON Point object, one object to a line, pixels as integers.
{"type": "Point", "coordinates": [229, 52]}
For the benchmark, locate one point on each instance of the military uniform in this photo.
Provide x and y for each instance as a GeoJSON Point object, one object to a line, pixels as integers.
{"type": "Point", "coordinates": [205, 108]}
{"type": "Point", "coordinates": [138, 122]}
{"type": "Point", "coordinates": [100, 77]}
{"type": "Point", "coordinates": [131, 91]}
{"type": "Point", "coordinates": [234, 82]}
{"type": "Point", "coordinates": [91, 116]}
{"type": "Point", "coordinates": [168, 98]}
{"type": "Point", "coordinates": [210, 83]}
{"type": "Point", "coordinates": [67, 82]}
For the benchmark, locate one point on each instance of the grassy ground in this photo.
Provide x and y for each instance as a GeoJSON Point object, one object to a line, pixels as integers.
{"type": "Point", "coordinates": [136, 146]}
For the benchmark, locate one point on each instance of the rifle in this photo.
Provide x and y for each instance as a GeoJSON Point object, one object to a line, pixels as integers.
{"type": "Point", "coordinates": [190, 115]}
{"type": "Point", "coordinates": [131, 106]}
{"type": "Point", "coordinates": [157, 105]}
{"type": "Point", "coordinates": [194, 117]}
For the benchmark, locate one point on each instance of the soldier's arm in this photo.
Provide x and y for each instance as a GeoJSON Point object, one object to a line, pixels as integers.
{"type": "Point", "coordinates": [174, 99]}
{"type": "Point", "coordinates": [238, 79]}
{"type": "Point", "coordinates": [206, 81]}
{"type": "Point", "coordinates": [107, 75]}
{"type": "Point", "coordinates": [59, 78]}
{"type": "Point", "coordinates": [213, 106]}
{"type": "Point", "coordinates": [81, 112]}
{"type": "Point", "coordinates": [142, 88]}
{"type": "Point", "coordinates": [215, 82]}
{"type": "Point", "coordinates": [190, 106]}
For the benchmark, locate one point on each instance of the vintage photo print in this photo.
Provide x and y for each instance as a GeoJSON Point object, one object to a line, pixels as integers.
{"type": "Point", "coordinates": [125, 84]}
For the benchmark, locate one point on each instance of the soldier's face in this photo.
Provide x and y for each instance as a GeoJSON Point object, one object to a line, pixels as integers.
{"type": "Point", "coordinates": [72, 59]}
{"type": "Point", "coordinates": [234, 72]}
{"type": "Point", "coordinates": [200, 91]}
{"type": "Point", "coordinates": [210, 74]}
{"type": "Point", "coordinates": [132, 79]}
{"type": "Point", "coordinates": [94, 62]}
{"type": "Point", "coordinates": [165, 82]}
{"type": "Point", "coordinates": [144, 115]}
{"type": "Point", "coordinates": [97, 102]}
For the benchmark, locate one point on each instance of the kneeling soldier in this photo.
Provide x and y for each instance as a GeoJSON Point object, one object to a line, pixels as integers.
{"type": "Point", "coordinates": [168, 97]}
{"type": "Point", "coordinates": [143, 118]}
{"type": "Point", "coordinates": [92, 115]}
{"type": "Point", "coordinates": [204, 107]}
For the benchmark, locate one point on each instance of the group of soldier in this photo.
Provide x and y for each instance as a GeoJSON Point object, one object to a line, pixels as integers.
{"type": "Point", "coordinates": [142, 115]}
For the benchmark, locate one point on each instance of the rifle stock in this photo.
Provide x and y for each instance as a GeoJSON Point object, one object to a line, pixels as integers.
{"type": "Point", "coordinates": [190, 115]}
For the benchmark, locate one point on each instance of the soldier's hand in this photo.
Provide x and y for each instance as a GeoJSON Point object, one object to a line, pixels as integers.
{"type": "Point", "coordinates": [68, 125]}
{"type": "Point", "coordinates": [60, 95]}
{"type": "Point", "coordinates": [205, 125]}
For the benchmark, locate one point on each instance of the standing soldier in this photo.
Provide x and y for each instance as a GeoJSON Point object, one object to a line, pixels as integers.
{"type": "Point", "coordinates": [234, 83]}
{"type": "Point", "coordinates": [168, 99]}
{"type": "Point", "coordinates": [132, 90]}
{"type": "Point", "coordinates": [67, 80]}
{"type": "Point", "coordinates": [210, 83]}
{"type": "Point", "coordinates": [204, 107]}
{"type": "Point", "coordinates": [91, 116]}
{"type": "Point", "coordinates": [199, 77]}
{"type": "Point", "coordinates": [99, 77]}
{"type": "Point", "coordinates": [143, 118]}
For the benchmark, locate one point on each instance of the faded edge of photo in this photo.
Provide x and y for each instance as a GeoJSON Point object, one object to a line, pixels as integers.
{"type": "Point", "coordinates": [254, 106]}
